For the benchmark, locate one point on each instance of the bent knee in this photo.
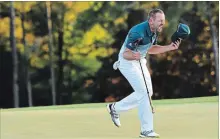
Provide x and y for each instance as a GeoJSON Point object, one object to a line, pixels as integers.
{"type": "Point", "coordinates": [141, 95]}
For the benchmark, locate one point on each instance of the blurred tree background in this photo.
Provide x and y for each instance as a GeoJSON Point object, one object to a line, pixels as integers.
{"type": "Point", "coordinates": [63, 52]}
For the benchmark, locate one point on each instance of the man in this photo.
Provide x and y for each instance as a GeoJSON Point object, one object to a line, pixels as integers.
{"type": "Point", "coordinates": [140, 40]}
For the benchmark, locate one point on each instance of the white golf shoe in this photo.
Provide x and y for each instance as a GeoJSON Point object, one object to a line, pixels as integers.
{"type": "Point", "coordinates": [149, 134]}
{"type": "Point", "coordinates": [114, 115]}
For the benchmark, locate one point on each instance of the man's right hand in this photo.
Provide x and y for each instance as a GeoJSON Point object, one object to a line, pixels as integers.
{"type": "Point", "coordinates": [130, 55]}
{"type": "Point", "coordinates": [136, 55]}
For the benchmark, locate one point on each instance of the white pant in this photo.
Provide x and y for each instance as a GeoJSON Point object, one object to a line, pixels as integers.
{"type": "Point", "coordinates": [139, 98]}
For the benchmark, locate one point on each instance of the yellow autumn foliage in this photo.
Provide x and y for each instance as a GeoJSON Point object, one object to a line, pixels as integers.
{"type": "Point", "coordinates": [102, 52]}
{"type": "Point", "coordinates": [46, 56]}
{"type": "Point", "coordinates": [5, 26]}
{"type": "Point", "coordinates": [18, 28]}
{"type": "Point", "coordinates": [119, 20]}
{"type": "Point", "coordinates": [86, 50]}
{"type": "Point", "coordinates": [95, 33]}
{"type": "Point", "coordinates": [5, 31]}
{"type": "Point", "coordinates": [20, 47]}
{"type": "Point", "coordinates": [149, 5]}
{"type": "Point", "coordinates": [74, 8]}
{"type": "Point", "coordinates": [34, 61]}
{"type": "Point", "coordinates": [73, 50]}
{"type": "Point", "coordinates": [24, 6]}
{"type": "Point", "coordinates": [29, 38]}
{"type": "Point", "coordinates": [45, 48]}
{"type": "Point", "coordinates": [112, 3]}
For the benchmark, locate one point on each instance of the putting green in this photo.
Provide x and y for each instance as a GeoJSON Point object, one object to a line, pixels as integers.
{"type": "Point", "coordinates": [174, 119]}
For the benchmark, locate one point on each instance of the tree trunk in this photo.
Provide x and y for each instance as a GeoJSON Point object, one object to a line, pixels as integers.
{"type": "Point", "coordinates": [49, 23]}
{"type": "Point", "coordinates": [213, 31]}
{"type": "Point", "coordinates": [14, 56]}
{"type": "Point", "coordinates": [60, 64]}
{"type": "Point", "coordinates": [26, 63]}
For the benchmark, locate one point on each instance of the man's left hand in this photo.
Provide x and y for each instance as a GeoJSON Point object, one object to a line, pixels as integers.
{"type": "Point", "coordinates": [174, 46]}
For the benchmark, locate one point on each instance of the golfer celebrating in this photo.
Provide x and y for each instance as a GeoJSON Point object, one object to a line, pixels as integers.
{"type": "Point", "coordinates": [140, 40]}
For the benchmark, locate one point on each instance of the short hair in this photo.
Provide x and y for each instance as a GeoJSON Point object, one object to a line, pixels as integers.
{"type": "Point", "coordinates": [153, 12]}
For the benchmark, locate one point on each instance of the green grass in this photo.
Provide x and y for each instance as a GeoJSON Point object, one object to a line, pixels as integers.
{"type": "Point", "coordinates": [194, 118]}
{"type": "Point", "coordinates": [100, 105]}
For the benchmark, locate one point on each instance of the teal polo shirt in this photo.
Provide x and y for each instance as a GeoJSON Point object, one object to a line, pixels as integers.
{"type": "Point", "coordinates": [138, 31]}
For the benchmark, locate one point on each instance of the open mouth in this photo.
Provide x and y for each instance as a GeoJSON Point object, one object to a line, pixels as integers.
{"type": "Point", "coordinates": [160, 28]}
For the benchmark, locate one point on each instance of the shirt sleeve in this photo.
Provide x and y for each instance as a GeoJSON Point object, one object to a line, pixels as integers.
{"type": "Point", "coordinates": [134, 39]}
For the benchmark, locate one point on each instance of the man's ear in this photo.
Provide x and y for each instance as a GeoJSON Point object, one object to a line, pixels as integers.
{"type": "Point", "coordinates": [150, 20]}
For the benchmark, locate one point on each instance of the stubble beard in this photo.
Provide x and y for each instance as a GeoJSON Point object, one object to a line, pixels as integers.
{"type": "Point", "coordinates": [156, 27]}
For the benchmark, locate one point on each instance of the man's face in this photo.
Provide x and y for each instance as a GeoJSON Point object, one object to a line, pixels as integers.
{"type": "Point", "coordinates": [157, 22]}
